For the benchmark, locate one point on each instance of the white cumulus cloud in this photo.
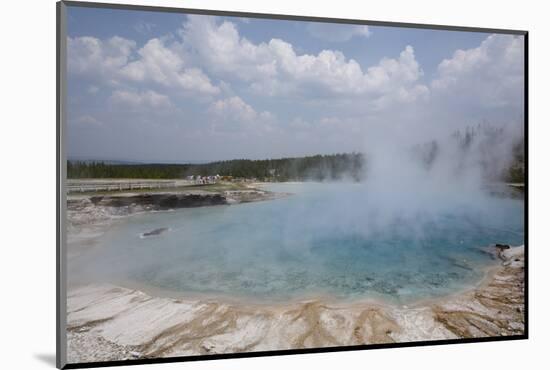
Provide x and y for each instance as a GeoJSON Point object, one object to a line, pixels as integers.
{"type": "Point", "coordinates": [117, 62]}
{"type": "Point", "coordinates": [275, 68]}
{"type": "Point", "coordinates": [337, 32]}
{"type": "Point", "coordinates": [233, 114]}
{"type": "Point", "coordinates": [160, 64]}
{"type": "Point", "coordinates": [490, 75]}
{"type": "Point", "coordinates": [146, 99]}
{"type": "Point", "coordinates": [89, 55]}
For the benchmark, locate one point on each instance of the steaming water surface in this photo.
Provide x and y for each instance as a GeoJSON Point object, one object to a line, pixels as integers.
{"type": "Point", "coordinates": [325, 239]}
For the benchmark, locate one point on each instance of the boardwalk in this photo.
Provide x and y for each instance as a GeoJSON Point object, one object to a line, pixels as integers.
{"type": "Point", "coordinates": [84, 186]}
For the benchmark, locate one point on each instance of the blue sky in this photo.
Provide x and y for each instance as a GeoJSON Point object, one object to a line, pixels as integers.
{"type": "Point", "coordinates": [169, 87]}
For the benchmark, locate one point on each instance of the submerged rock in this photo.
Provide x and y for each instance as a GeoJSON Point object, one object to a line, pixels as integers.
{"type": "Point", "coordinates": [154, 232]}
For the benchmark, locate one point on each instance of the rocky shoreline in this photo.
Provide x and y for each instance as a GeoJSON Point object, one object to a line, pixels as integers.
{"type": "Point", "coordinates": [95, 208]}
{"type": "Point", "coordinates": [496, 308]}
{"type": "Point", "coordinates": [107, 322]}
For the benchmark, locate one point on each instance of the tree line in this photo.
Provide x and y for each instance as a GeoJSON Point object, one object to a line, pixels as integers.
{"type": "Point", "coordinates": [318, 167]}
{"type": "Point", "coordinates": [344, 166]}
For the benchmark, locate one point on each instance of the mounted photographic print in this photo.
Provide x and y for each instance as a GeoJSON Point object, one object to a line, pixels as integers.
{"type": "Point", "coordinates": [237, 184]}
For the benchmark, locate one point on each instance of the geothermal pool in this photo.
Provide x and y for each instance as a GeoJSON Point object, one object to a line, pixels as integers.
{"type": "Point", "coordinates": [336, 240]}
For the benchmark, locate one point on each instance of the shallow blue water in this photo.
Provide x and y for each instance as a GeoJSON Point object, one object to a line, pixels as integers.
{"type": "Point", "coordinates": [326, 239]}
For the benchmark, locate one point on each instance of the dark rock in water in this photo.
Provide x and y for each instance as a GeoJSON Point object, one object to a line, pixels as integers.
{"type": "Point", "coordinates": [155, 231]}
{"type": "Point", "coordinates": [160, 202]}
{"type": "Point", "coordinates": [502, 247]}
{"type": "Point", "coordinates": [494, 250]}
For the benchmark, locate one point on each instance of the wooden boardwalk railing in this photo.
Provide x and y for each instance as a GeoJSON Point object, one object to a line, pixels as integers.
{"type": "Point", "coordinates": [88, 186]}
